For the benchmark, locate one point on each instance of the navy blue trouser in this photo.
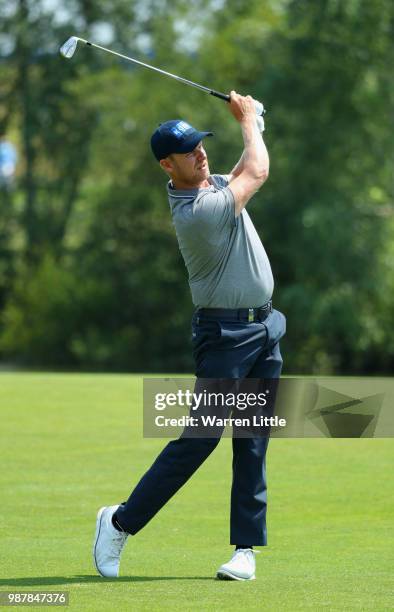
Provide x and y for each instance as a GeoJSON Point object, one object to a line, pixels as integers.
{"type": "Point", "coordinates": [222, 349]}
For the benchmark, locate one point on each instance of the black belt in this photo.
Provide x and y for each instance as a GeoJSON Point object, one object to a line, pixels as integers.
{"type": "Point", "coordinates": [241, 314]}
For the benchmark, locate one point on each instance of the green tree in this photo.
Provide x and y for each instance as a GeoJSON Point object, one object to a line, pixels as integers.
{"type": "Point", "coordinates": [88, 227]}
{"type": "Point", "coordinates": [322, 70]}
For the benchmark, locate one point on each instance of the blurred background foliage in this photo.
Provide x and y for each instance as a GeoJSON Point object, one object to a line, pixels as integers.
{"type": "Point", "coordinates": [90, 273]}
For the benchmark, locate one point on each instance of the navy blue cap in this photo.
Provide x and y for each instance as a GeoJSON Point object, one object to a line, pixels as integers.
{"type": "Point", "coordinates": [175, 136]}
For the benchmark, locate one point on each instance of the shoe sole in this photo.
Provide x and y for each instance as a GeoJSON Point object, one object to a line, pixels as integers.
{"type": "Point", "coordinates": [96, 537]}
{"type": "Point", "coordinates": [224, 575]}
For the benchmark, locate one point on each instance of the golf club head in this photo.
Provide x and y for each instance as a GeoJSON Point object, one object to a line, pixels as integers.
{"type": "Point", "coordinates": [70, 46]}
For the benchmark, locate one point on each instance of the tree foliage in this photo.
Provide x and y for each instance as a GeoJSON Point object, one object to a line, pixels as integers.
{"type": "Point", "coordinates": [90, 272]}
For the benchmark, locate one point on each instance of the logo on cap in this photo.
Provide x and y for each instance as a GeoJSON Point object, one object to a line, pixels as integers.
{"type": "Point", "coordinates": [180, 128]}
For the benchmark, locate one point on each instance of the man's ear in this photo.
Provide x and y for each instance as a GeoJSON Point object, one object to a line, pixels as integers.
{"type": "Point", "coordinates": [166, 165]}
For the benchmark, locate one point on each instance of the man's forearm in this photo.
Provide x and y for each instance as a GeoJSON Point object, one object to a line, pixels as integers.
{"type": "Point", "coordinates": [239, 166]}
{"type": "Point", "coordinates": [255, 157]}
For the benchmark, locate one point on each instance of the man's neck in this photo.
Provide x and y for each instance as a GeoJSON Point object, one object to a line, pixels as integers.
{"type": "Point", "coordinates": [180, 185]}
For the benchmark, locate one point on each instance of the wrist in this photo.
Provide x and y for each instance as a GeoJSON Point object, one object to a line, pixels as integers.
{"type": "Point", "coordinates": [249, 119]}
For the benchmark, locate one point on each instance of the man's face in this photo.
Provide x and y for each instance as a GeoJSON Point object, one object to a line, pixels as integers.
{"type": "Point", "coordinates": [188, 168]}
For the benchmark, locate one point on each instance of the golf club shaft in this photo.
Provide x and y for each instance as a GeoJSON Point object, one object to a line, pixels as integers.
{"type": "Point", "coordinates": [218, 94]}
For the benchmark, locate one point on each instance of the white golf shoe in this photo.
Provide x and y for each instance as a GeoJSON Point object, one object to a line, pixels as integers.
{"type": "Point", "coordinates": [108, 543]}
{"type": "Point", "coordinates": [242, 566]}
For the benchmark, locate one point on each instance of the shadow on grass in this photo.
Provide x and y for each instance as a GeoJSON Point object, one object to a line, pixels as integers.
{"type": "Point", "coordinates": [86, 579]}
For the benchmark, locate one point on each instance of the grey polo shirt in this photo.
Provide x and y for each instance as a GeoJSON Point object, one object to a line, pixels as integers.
{"type": "Point", "coordinates": [226, 261]}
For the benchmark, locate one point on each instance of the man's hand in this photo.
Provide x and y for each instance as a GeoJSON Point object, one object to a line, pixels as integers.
{"type": "Point", "coordinates": [242, 107]}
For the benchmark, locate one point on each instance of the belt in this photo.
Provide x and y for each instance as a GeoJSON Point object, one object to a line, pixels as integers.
{"type": "Point", "coordinates": [248, 315]}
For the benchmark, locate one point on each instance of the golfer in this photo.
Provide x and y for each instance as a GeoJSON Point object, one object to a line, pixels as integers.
{"type": "Point", "coordinates": [236, 332]}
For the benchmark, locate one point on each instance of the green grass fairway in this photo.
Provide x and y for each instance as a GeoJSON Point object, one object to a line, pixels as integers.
{"type": "Point", "coordinates": [71, 443]}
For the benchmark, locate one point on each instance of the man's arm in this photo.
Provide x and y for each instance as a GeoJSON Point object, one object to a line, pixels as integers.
{"type": "Point", "coordinates": [252, 169]}
{"type": "Point", "coordinates": [236, 171]}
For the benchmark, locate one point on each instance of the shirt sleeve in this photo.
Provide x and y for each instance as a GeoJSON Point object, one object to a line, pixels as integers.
{"type": "Point", "coordinates": [214, 211]}
{"type": "Point", "coordinates": [221, 180]}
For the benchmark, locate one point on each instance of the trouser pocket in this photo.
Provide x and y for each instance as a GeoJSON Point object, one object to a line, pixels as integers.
{"type": "Point", "coordinates": [205, 334]}
{"type": "Point", "coordinates": [276, 327]}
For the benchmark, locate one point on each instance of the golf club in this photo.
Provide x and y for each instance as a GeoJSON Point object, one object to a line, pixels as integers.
{"type": "Point", "coordinates": [70, 46]}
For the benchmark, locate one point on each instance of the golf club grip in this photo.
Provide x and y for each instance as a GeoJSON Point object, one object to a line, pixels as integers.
{"type": "Point", "coordinates": [220, 95]}
{"type": "Point", "coordinates": [260, 110]}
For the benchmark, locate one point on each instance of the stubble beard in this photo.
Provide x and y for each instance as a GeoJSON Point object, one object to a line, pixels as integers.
{"type": "Point", "coordinates": [203, 173]}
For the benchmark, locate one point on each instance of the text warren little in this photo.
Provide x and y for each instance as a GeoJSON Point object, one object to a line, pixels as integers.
{"type": "Point", "coordinates": [214, 421]}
